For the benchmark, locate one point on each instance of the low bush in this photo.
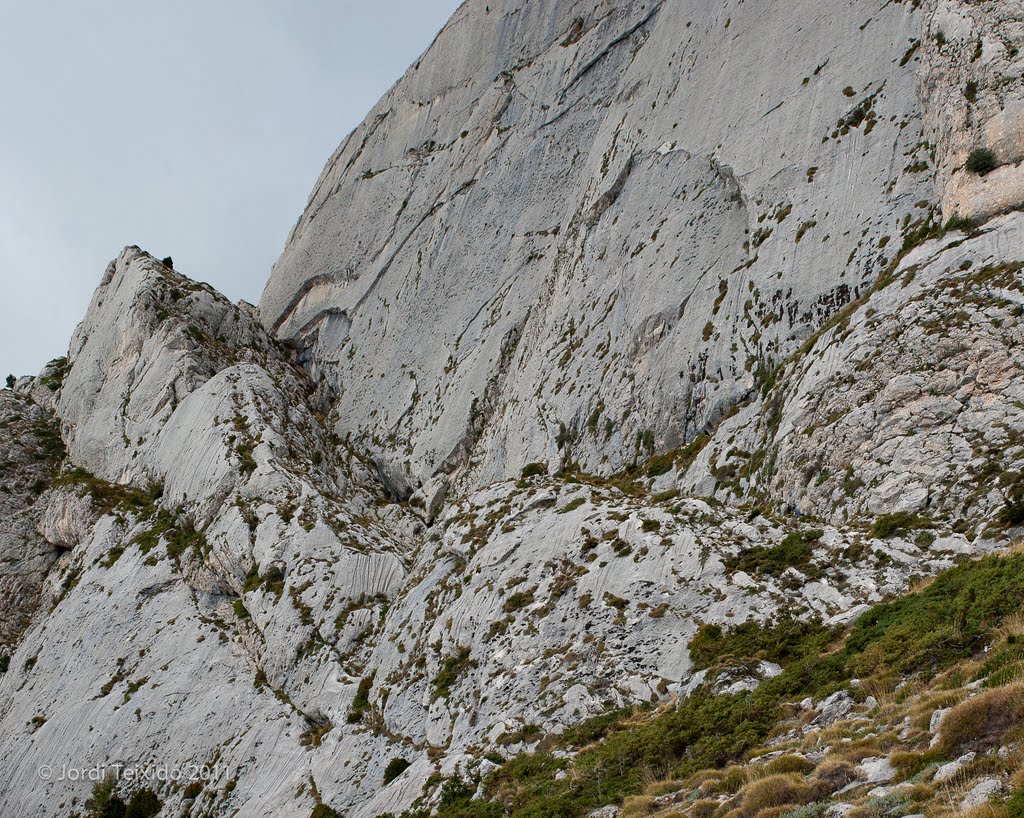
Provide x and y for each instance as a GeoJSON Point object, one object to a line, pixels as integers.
{"type": "Point", "coordinates": [784, 641]}
{"type": "Point", "coordinates": [1012, 512]}
{"type": "Point", "coordinates": [104, 801]}
{"type": "Point", "coordinates": [794, 551]}
{"type": "Point", "coordinates": [958, 222]}
{"type": "Point", "coordinates": [451, 668]}
{"type": "Point", "coordinates": [1013, 807]}
{"type": "Point", "coordinates": [981, 161]}
{"type": "Point", "coordinates": [518, 601]}
{"type": "Point", "coordinates": [395, 768]}
{"type": "Point", "coordinates": [457, 801]}
{"type": "Point", "coordinates": [361, 702]}
{"type": "Point", "coordinates": [891, 525]}
{"type": "Point", "coordinates": [143, 804]}
{"type": "Point", "coordinates": [107, 496]}
{"type": "Point", "coordinates": [535, 470]}
{"type": "Point", "coordinates": [660, 464]}
{"type": "Point", "coordinates": [948, 620]}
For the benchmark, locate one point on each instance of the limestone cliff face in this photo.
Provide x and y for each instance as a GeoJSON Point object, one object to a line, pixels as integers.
{"type": "Point", "coordinates": [686, 262]}
{"type": "Point", "coordinates": [579, 231]}
{"type": "Point", "coordinates": [220, 581]}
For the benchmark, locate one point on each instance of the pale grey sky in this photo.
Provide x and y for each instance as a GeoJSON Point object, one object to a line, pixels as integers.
{"type": "Point", "coordinates": [193, 128]}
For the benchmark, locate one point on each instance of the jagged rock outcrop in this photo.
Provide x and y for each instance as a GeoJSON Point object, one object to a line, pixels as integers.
{"type": "Point", "coordinates": [910, 402]}
{"type": "Point", "coordinates": [30, 452]}
{"type": "Point", "coordinates": [595, 332]}
{"type": "Point", "coordinates": [218, 493]}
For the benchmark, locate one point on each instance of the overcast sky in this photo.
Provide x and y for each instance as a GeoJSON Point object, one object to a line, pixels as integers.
{"type": "Point", "coordinates": [193, 128]}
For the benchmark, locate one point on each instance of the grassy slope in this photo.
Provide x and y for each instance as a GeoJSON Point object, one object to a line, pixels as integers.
{"type": "Point", "coordinates": [703, 755]}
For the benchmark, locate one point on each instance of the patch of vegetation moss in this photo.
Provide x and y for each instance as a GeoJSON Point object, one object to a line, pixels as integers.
{"type": "Point", "coordinates": [891, 525]}
{"type": "Point", "coordinates": [1012, 512]}
{"type": "Point", "coordinates": [794, 551]}
{"type": "Point", "coordinates": [784, 641]}
{"type": "Point", "coordinates": [534, 470]}
{"type": "Point", "coordinates": [361, 702]}
{"type": "Point", "coordinates": [948, 620]}
{"type": "Point", "coordinates": [56, 371]}
{"type": "Point", "coordinates": [395, 768]}
{"type": "Point", "coordinates": [178, 533]}
{"type": "Point", "coordinates": [573, 504]}
{"type": "Point", "coordinates": [451, 669]}
{"type": "Point", "coordinates": [108, 497]}
{"type": "Point", "coordinates": [271, 582]}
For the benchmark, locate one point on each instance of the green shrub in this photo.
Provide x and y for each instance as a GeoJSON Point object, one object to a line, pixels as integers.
{"type": "Point", "coordinates": [534, 470]}
{"type": "Point", "coordinates": [143, 804]}
{"type": "Point", "coordinates": [958, 222]}
{"type": "Point", "coordinates": [890, 525]}
{"type": "Point", "coordinates": [795, 550]}
{"type": "Point", "coordinates": [56, 370]}
{"type": "Point", "coordinates": [104, 801]}
{"type": "Point", "coordinates": [108, 496]}
{"type": "Point", "coordinates": [361, 702]}
{"type": "Point", "coordinates": [660, 464]}
{"type": "Point", "coordinates": [981, 161]}
{"type": "Point", "coordinates": [323, 811]}
{"type": "Point", "coordinates": [395, 768]}
{"type": "Point", "coordinates": [517, 601]}
{"type": "Point", "coordinates": [1012, 512]}
{"type": "Point", "coordinates": [1014, 805]}
{"type": "Point", "coordinates": [457, 801]}
{"type": "Point", "coordinates": [452, 667]}
{"type": "Point", "coordinates": [784, 641]}
{"type": "Point", "coordinates": [572, 505]}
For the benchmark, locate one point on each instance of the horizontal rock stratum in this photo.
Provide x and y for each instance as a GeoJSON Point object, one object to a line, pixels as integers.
{"type": "Point", "coordinates": [612, 320]}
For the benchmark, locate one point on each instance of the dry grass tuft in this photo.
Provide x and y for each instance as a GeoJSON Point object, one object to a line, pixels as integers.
{"type": "Point", "coordinates": [982, 721]}
{"type": "Point", "coordinates": [837, 772]}
{"type": "Point", "coordinates": [638, 806]}
{"type": "Point", "coordinates": [666, 787]}
{"type": "Point", "coordinates": [774, 791]}
{"type": "Point", "coordinates": [787, 764]}
{"type": "Point", "coordinates": [704, 808]}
